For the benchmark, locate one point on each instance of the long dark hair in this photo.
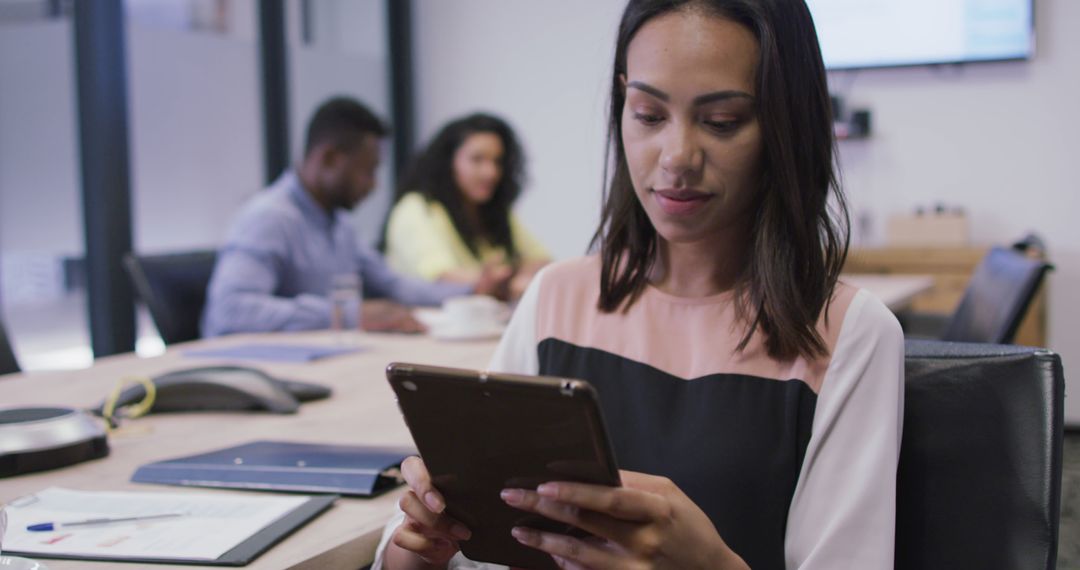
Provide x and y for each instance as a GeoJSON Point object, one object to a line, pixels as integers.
{"type": "Point", "coordinates": [799, 240]}
{"type": "Point", "coordinates": [432, 175]}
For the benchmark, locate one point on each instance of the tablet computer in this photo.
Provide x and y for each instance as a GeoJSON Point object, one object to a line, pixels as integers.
{"type": "Point", "coordinates": [479, 433]}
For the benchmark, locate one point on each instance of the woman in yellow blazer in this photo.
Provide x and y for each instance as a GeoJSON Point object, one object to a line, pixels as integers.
{"type": "Point", "coordinates": [452, 218]}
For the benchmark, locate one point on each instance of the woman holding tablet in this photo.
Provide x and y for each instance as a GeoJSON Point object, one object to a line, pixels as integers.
{"type": "Point", "coordinates": [754, 400]}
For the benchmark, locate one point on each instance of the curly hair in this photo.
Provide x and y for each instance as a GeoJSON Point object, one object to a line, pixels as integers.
{"type": "Point", "coordinates": [432, 175]}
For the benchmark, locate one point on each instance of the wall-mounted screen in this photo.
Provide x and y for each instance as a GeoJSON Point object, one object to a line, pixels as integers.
{"type": "Point", "coordinates": [857, 34]}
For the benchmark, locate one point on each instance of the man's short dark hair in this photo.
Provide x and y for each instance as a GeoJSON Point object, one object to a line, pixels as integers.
{"type": "Point", "coordinates": [342, 122]}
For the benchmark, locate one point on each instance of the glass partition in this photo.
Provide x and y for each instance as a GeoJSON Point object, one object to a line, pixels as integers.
{"type": "Point", "coordinates": [42, 296]}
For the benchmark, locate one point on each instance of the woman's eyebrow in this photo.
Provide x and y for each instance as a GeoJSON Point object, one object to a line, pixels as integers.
{"type": "Point", "coordinates": [699, 100]}
{"type": "Point", "coordinates": [722, 96]}
{"type": "Point", "coordinates": [642, 86]}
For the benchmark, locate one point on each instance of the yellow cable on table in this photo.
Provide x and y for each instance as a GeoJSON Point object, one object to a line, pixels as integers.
{"type": "Point", "coordinates": [137, 410]}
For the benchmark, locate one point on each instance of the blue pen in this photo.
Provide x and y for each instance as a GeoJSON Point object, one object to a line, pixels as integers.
{"type": "Point", "coordinates": [47, 526]}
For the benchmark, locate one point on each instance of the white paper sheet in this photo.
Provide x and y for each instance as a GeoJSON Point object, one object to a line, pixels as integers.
{"type": "Point", "coordinates": [212, 524]}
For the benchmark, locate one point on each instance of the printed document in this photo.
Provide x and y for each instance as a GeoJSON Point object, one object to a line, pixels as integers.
{"type": "Point", "coordinates": [210, 525]}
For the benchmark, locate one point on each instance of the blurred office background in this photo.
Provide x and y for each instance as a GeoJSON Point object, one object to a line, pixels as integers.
{"type": "Point", "coordinates": [995, 140]}
{"type": "Point", "coordinates": [196, 138]}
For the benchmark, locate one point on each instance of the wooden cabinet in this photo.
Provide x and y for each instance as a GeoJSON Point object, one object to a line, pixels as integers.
{"type": "Point", "coordinates": [951, 268]}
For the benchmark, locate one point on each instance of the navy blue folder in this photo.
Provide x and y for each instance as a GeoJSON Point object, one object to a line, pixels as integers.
{"type": "Point", "coordinates": [359, 471]}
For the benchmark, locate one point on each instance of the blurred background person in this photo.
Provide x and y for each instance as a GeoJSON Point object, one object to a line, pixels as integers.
{"type": "Point", "coordinates": [452, 219]}
{"type": "Point", "coordinates": [289, 245]}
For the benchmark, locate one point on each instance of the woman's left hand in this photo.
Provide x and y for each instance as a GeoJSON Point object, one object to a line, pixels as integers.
{"type": "Point", "coordinates": [646, 523]}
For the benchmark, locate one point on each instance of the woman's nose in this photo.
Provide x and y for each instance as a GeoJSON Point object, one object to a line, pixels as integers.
{"type": "Point", "coordinates": [681, 154]}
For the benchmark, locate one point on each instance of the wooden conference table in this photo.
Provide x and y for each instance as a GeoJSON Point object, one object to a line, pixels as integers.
{"type": "Point", "coordinates": [896, 291]}
{"type": "Point", "coordinates": [361, 411]}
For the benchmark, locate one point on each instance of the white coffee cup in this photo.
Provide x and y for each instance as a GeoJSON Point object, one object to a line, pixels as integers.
{"type": "Point", "coordinates": [474, 312]}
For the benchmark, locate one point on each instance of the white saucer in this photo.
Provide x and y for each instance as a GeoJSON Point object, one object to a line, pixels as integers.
{"type": "Point", "coordinates": [449, 331]}
{"type": "Point", "coordinates": [430, 317]}
{"type": "Point", "coordinates": [17, 563]}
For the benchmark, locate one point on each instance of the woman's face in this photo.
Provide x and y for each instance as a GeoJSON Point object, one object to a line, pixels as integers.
{"type": "Point", "coordinates": [478, 166]}
{"type": "Point", "coordinates": [689, 128]}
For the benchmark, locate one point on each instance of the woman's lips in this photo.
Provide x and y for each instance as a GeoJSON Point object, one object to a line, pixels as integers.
{"type": "Point", "coordinates": [680, 202]}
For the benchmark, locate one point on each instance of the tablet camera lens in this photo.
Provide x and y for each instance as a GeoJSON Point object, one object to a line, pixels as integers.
{"type": "Point", "coordinates": [409, 385]}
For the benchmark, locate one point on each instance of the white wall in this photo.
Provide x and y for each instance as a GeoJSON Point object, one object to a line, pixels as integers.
{"type": "Point", "coordinates": [998, 139]}
{"type": "Point", "coordinates": [195, 134]}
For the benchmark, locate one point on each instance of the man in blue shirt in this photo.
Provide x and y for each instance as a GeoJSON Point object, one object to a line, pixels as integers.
{"type": "Point", "coordinates": [288, 244]}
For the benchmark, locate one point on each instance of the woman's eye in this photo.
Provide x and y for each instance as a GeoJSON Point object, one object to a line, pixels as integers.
{"type": "Point", "coordinates": [721, 126]}
{"type": "Point", "coordinates": [647, 119]}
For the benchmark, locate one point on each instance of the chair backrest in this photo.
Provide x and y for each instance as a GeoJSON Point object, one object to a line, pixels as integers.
{"type": "Point", "coordinates": [8, 363]}
{"type": "Point", "coordinates": [979, 481]}
{"type": "Point", "coordinates": [996, 298]}
{"type": "Point", "coordinates": [173, 286]}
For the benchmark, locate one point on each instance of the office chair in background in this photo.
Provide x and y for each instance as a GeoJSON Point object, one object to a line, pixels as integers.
{"type": "Point", "coordinates": [979, 480]}
{"type": "Point", "coordinates": [995, 301]}
{"type": "Point", "coordinates": [8, 363]}
{"type": "Point", "coordinates": [996, 298]}
{"type": "Point", "coordinates": [173, 286]}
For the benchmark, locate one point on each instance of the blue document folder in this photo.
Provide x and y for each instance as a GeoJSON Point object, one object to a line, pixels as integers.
{"type": "Point", "coordinates": [359, 471]}
{"type": "Point", "coordinates": [274, 352]}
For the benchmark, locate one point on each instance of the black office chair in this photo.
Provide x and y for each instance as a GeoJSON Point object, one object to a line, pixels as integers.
{"type": "Point", "coordinates": [8, 363]}
{"type": "Point", "coordinates": [173, 286]}
{"type": "Point", "coordinates": [995, 301]}
{"type": "Point", "coordinates": [979, 481]}
{"type": "Point", "coordinates": [996, 298]}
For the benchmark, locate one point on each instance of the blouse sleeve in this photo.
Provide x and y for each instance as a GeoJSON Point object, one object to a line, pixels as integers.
{"type": "Point", "coordinates": [414, 243]}
{"type": "Point", "coordinates": [516, 352]}
{"type": "Point", "coordinates": [843, 512]}
{"type": "Point", "coordinates": [526, 243]}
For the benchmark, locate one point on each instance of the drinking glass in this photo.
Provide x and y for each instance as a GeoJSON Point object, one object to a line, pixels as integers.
{"type": "Point", "coordinates": [346, 293]}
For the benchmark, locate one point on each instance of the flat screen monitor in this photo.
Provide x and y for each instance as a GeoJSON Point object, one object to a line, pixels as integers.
{"type": "Point", "coordinates": [859, 34]}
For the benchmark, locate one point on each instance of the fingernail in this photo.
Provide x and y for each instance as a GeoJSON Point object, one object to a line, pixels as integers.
{"type": "Point", "coordinates": [512, 496]}
{"type": "Point", "coordinates": [524, 535]}
{"type": "Point", "coordinates": [434, 502]}
{"type": "Point", "coordinates": [549, 490]}
{"type": "Point", "coordinates": [460, 532]}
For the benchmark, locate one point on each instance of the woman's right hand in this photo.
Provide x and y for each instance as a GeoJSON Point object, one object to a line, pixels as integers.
{"type": "Point", "coordinates": [428, 532]}
{"type": "Point", "coordinates": [494, 280]}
